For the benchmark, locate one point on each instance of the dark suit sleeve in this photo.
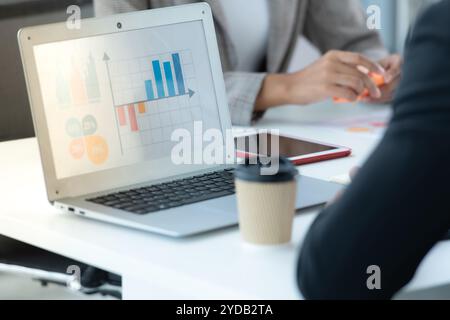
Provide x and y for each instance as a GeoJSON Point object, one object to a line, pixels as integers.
{"type": "Point", "coordinates": [398, 207]}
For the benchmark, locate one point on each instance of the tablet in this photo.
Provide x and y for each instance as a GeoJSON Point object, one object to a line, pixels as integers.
{"type": "Point", "coordinates": [299, 151]}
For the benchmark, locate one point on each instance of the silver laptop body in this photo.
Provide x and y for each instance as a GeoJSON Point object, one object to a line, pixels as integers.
{"type": "Point", "coordinates": [106, 98]}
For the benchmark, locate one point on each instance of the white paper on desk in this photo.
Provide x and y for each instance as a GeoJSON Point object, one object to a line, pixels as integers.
{"type": "Point", "coordinates": [374, 123]}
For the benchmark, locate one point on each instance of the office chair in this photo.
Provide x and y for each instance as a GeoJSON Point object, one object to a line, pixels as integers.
{"type": "Point", "coordinates": [17, 258]}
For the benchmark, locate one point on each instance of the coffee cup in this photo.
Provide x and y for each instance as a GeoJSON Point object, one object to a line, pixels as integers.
{"type": "Point", "coordinates": [266, 201]}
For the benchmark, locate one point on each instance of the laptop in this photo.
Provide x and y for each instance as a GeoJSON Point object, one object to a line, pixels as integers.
{"type": "Point", "coordinates": [106, 99]}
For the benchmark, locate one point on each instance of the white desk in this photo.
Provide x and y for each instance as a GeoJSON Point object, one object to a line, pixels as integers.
{"type": "Point", "coordinates": [215, 265]}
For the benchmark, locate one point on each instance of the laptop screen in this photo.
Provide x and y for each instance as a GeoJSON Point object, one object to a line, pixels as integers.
{"type": "Point", "coordinates": [114, 100]}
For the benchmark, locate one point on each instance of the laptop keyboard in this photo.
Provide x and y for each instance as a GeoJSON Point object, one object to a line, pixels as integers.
{"type": "Point", "coordinates": [171, 194]}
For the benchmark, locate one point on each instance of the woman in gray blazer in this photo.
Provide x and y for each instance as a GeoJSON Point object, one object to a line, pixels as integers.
{"type": "Point", "coordinates": [257, 39]}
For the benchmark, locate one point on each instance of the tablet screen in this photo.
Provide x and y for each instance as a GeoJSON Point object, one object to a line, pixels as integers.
{"type": "Point", "coordinates": [288, 147]}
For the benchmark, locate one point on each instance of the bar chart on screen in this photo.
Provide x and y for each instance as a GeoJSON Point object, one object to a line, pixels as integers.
{"type": "Point", "coordinates": [76, 83]}
{"type": "Point", "coordinates": [153, 96]}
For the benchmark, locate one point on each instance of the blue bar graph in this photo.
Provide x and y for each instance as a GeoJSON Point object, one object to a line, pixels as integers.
{"type": "Point", "coordinates": [178, 73]}
{"type": "Point", "coordinates": [169, 79]}
{"type": "Point", "coordinates": [158, 79]}
{"type": "Point", "coordinates": [149, 90]}
{"type": "Point", "coordinates": [165, 73]}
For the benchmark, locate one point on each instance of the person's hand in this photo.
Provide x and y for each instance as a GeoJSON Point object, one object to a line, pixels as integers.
{"type": "Point", "coordinates": [336, 74]}
{"type": "Point", "coordinates": [393, 65]}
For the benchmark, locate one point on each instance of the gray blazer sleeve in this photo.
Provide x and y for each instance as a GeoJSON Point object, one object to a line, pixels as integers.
{"type": "Point", "coordinates": [242, 90]}
{"type": "Point", "coordinates": [341, 25]}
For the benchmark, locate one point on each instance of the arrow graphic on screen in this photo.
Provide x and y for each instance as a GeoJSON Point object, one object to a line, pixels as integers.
{"type": "Point", "coordinates": [106, 59]}
{"type": "Point", "coordinates": [160, 88]}
{"type": "Point", "coordinates": [167, 81]}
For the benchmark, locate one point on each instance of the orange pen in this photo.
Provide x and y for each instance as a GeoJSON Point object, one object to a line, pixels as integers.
{"type": "Point", "coordinates": [377, 78]}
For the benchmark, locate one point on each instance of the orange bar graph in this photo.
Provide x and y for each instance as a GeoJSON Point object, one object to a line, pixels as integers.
{"type": "Point", "coordinates": [141, 107]}
{"type": "Point", "coordinates": [132, 116]}
{"type": "Point", "coordinates": [79, 93]}
{"type": "Point", "coordinates": [122, 118]}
